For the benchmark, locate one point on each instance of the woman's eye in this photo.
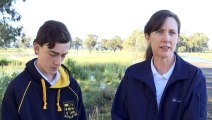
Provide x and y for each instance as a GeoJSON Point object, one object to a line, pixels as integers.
{"type": "Point", "coordinates": [172, 33]}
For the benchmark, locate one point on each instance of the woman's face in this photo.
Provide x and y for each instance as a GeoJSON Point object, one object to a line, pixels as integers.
{"type": "Point", "coordinates": [163, 41]}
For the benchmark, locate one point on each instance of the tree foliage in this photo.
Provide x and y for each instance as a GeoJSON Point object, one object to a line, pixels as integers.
{"type": "Point", "coordinates": [136, 42]}
{"type": "Point", "coordinates": [196, 42]}
{"type": "Point", "coordinates": [91, 41]}
{"type": "Point", "coordinates": [8, 15]}
{"type": "Point", "coordinates": [77, 43]}
{"type": "Point", "coordinates": [115, 43]}
{"type": "Point", "coordinates": [112, 44]}
{"type": "Point", "coordinates": [103, 44]}
{"type": "Point", "coordinates": [25, 41]}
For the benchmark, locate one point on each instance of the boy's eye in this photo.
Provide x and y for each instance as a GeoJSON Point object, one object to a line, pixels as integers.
{"type": "Point", "coordinates": [159, 31]}
{"type": "Point", "coordinates": [52, 54]}
{"type": "Point", "coordinates": [63, 56]}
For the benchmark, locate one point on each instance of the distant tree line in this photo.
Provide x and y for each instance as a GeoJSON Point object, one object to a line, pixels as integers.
{"type": "Point", "coordinates": [197, 42]}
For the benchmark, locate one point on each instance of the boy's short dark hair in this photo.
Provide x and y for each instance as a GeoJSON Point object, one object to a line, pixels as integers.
{"type": "Point", "coordinates": [52, 32]}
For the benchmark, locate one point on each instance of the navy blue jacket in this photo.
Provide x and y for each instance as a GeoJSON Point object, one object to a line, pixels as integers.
{"type": "Point", "coordinates": [30, 97]}
{"type": "Point", "coordinates": [184, 97]}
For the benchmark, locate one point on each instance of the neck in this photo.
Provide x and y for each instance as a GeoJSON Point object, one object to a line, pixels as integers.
{"type": "Point", "coordinates": [50, 77]}
{"type": "Point", "coordinates": [163, 65]}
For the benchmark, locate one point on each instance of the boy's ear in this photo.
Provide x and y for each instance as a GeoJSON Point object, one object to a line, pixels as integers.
{"type": "Point", "coordinates": [36, 48]}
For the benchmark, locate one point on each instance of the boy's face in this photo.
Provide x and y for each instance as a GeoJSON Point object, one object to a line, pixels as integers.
{"type": "Point", "coordinates": [49, 60]}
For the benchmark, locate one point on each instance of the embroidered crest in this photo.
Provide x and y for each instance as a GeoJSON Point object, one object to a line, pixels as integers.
{"type": "Point", "coordinates": [69, 109]}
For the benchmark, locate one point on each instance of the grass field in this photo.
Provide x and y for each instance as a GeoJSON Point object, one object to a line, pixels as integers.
{"type": "Point", "coordinates": [85, 57]}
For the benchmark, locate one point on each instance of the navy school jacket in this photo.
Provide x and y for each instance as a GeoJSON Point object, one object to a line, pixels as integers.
{"type": "Point", "coordinates": [184, 97]}
{"type": "Point", "coordinates": [30, 97]}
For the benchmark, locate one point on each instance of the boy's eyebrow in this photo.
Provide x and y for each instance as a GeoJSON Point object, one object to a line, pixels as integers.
{"type": "Point", "coordinates": [58, 53]}
{"type": "Point", "coordinates": [164, 29]}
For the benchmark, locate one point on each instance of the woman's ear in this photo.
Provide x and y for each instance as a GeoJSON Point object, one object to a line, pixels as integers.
{"type": "Point", "coordinates": [147, 38]}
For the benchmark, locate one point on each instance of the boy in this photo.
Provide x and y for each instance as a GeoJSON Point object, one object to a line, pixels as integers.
{"type": "Point", "coordinates": [45, 90]}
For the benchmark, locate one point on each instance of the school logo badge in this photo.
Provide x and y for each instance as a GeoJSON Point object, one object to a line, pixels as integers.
{"type": "Point", "coordinates": [69, 109]}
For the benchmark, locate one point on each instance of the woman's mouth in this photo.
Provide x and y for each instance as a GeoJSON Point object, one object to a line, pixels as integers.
{"type": "Point", "coordinates": [165, 47]}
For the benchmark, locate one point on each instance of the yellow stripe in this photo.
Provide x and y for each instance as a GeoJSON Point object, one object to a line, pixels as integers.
{"type": "Point", "coordinates": [44, 94]}
{"type": "Point", "coordinates": [23, 97]}
{"type": "Point", "coordinates": [59, 109]}
{"type": "Point", "coordinates": [73, 92]}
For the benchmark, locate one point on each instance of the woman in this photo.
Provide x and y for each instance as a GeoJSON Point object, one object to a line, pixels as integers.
{"type": "Point", "coordinates": [164, 86]}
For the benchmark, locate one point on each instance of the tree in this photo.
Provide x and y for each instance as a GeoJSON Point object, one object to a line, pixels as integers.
{"type": "Point", "coordinates": [104, 44]}
{"type": "Point", "coordinates": [25, 41]}
{"type": "Point", "coordinates": [115, 43]}
{"type": "Point", "coordinates": [91, 41]}
{"type": "Point", "coordinates": [201, 42]}
{"type": "Point", "coordinates": [77, 43]}
{"type": "Point", "coordinates": [182, 46]}
{"type": "Point", "coordinates": [8, 33]}
{"type": "Point", "coordinates": [136, 42]}
{"type": "Point", "coordinates": [198, 42]}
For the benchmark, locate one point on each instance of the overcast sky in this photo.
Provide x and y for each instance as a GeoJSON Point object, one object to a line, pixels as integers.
{"type": "Point", "coordinates": [107, 18]}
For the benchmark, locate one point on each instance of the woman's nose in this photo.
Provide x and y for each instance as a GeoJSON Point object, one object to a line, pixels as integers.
{"type": "Point", "coordinates": [166, 37]}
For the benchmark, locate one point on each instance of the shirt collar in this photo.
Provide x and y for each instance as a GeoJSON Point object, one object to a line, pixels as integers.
{"type": "Point", "coordinates": [154, 71]}
{"type": "Point", "coordinates": [56, 78]}
{"type": "Point", "coordinates": [166, 75]}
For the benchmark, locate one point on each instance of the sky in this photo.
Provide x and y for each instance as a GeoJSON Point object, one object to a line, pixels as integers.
{"type": "Point", "coordinates": [107, 18]}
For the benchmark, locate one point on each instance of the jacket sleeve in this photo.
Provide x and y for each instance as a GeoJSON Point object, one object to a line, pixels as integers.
{"type": "Point", "coordinates": [81, 113]}
{"type": "Point", "coordinates": [9, 105]}
{"type": "Point", "coordinates": [81, 110]}
{"type": "Point", "coordinates": [119, 107]}
{"type": "Point", "coordinates": [196, 106]}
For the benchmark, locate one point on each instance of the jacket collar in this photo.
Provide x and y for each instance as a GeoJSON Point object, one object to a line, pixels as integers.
{"type": "Point", "coordinates": [37, 77]}
{"type": "Point", "coordinates": [180, 71]}
{"type": "Point", "coordinates": [142, 71]}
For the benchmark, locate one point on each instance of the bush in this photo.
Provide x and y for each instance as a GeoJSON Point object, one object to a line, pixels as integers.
{"type": "Point", "coordinates": [98, 83]}
{"type": "Point", "coordinates": [182, 49]}
{"type": "Point", "coordinates": [4, 82]}
{"type": "Point", "coordinates": [4, 62]}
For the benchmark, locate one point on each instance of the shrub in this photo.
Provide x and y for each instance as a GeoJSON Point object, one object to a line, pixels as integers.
{"type": "Point", "coordinates": [182, 49]}
{"type": "Point", "coordinates": [4, 62]}
{"type": "Point", "coordinates": [4, 82]}
{"type": "Point", "coordinates": [98, 82]}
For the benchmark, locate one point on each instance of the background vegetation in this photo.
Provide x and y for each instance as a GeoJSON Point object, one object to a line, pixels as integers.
{"type": "Point", "coordinates": [98, 73]}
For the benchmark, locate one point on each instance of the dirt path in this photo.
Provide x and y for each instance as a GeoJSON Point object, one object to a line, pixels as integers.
{"type": "Point", "coordinates": [207, 71]}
